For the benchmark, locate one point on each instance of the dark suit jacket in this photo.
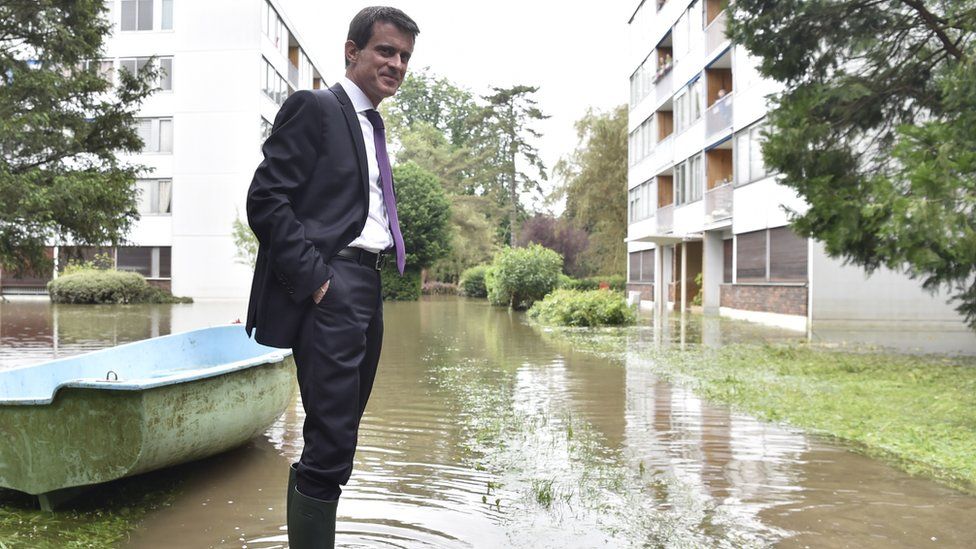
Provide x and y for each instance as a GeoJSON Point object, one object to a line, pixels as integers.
{"type": "Point", "coordinates": [309, 198]}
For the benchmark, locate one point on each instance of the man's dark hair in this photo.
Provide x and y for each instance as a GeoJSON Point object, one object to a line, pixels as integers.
{"type": "Point", "coordinates": [361, 26]}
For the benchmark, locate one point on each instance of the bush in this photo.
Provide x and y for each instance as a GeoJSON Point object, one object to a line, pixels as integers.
{"type": "Point", "coordinates": [439, 288]}
{"type": "Point", "coordinates": [400, 288]}
{"type": "Point", "coordinates": [612, 282]}
{"type": "Point", "coordinates": [93, 286]}
{"type": "Point", "coordinates": [472, 283]}
{"type": "Point", "coordinates": [584, 308]}
{"type": "Point", "coordinates": [521, 276]}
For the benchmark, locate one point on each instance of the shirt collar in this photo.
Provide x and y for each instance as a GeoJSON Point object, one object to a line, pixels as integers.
{"type": "Point", "coordinates": [359, 100]}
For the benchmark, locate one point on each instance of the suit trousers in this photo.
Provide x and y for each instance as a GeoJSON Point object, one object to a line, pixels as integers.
{"type": "Point", "coordinates": [337, 350]}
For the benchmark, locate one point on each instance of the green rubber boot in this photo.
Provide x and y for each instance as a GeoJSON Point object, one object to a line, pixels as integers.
{"type": "Point", "coordinates": [311, 522]}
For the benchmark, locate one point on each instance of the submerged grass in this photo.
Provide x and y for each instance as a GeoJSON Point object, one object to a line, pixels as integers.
{"type": "Point", "coordinates": [102, 517]}
{"type": "Point", "coordinates": [917, 412]}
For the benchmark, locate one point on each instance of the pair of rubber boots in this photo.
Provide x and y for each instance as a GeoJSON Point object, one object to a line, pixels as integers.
{"type": "Point", "coordinates": [311, 522]}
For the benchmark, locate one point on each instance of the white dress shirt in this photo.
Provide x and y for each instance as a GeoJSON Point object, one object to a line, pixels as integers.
{"type": "Point", "coordinates": [376, 235]}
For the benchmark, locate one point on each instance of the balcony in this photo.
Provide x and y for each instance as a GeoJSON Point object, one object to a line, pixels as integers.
{"type": "Point", "coordinates": [715, 32]}
{"type": "Point", "coordinates": [718, 203]}
{"type": "Point", "coordinates": [663, 153]}
{"type": "Point", "coordinates": [718, 117]}
{"type": "Point", "coordinates": [664, 83]}
{"type": "Point", "coordinates": [665, 219]}
{"type": "Point", "coordinates": [293, 76]}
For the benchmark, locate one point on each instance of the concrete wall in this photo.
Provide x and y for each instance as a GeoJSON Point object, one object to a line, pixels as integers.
{"type": "Point", "coordinates": [848, 293]}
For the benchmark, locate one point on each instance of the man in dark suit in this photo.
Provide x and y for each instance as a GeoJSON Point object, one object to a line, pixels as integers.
{"type": "Point", "coordinates": [322, 206]}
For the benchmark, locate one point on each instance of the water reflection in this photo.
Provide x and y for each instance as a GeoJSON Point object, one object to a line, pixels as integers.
{"type": "Point", "coordinates": [484, 432]}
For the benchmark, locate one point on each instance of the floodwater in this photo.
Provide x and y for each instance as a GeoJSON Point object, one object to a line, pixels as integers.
{"type": "Point", "coordinates": [483, 431]}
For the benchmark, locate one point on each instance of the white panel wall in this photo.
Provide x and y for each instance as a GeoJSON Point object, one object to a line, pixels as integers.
{"type": "Point", "coordinates": [759, 205]}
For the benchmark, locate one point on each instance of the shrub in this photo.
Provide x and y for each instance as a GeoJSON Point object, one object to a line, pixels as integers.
{"type": "Point", "coordinates": [472, 283]}
{"type": "Point", "coordinates": [400, 288]}
{"type": "Point", "coordinates": [584, 308]}
{"type": "Point", "coordinates": [521, 276]}
{"type": "Point", "coordinates": [612, 282]}
{"type": "Point", "coordinates": [93, 286]}
{"type": "Point", "coordinates": [438, 288]}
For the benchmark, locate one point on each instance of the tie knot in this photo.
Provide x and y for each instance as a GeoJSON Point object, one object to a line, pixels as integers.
{"type": "Point", "coordinates": [375, 119]}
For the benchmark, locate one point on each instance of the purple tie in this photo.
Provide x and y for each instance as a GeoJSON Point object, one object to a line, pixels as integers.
{"type": "Point", "coordinates": [386, 178]}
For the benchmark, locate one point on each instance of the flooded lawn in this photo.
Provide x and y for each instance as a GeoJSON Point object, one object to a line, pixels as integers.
{"type": "Point", "coordinates": [483, 431]}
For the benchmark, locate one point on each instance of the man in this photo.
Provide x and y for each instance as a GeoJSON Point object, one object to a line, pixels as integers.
{"type": "Point", "coordinates": [322, 206]}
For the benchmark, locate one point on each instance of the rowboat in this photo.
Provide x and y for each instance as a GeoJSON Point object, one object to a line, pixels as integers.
{"type": "Point", "coordinates": [74, 422]}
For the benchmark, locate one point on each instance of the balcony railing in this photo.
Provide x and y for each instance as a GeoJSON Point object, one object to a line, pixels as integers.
{"type": "Point", "coordinates": [293, 75]}
{"type": "Point", "coordinates": [715, 32]}
{"type": "Point", "coordinates": [665, 219]}
{"type": "Point", "coordinates": [664, 84]}
{"type": "Point", "coordinates": [718, 203]}
{"type": "Point", "coordinates": [664, 152]}
{"type": "Point", "coordinates": [718, 117]}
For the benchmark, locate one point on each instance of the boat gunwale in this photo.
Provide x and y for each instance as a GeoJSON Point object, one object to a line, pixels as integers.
{"type": "Point", "coordinates": [145, 383]}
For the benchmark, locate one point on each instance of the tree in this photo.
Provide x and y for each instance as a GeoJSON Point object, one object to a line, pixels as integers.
{"type": "Point", "coordinates": [61, 127]}
{"type": "Point", "coordinates": [559, 235]}
{"type": "Point", "coordinates": [595, 187]}
{"type": "Point", "coordinates": [473, 224]}
{"type": "Point", "coordinates": [508, 118]}
{"type": "Point", "coordinates": [423, 210]}
{"type": "Point", "coordinates": [875, 129]}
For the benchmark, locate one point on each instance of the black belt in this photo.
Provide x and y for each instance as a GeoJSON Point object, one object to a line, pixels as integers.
{"type": "Point", "coordinates": [363, 257]}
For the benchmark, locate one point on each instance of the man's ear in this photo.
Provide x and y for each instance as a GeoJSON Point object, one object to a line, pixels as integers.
{"type": "Point", "coordinates": [352, 52]}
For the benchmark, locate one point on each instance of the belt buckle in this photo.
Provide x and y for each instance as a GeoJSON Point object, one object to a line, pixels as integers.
{"type": "Point", "coordinates": [379, 261]}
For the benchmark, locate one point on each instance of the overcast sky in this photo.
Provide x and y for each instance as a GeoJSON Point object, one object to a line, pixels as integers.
{"type": "Point", "coordinates": [576, 55]}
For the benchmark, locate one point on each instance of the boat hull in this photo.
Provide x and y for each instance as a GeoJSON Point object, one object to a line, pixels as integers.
{"type": "Point", "coordinates": [89, 436]}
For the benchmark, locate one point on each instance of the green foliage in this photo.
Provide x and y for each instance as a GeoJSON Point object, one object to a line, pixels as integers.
{"type": "Point", "coordinates": [509, 116]}
{"type": "Point", "coordinates": [611, 282]}
{"type": "Point", "coordinates": [246, 243]}
{"type": "Point", "coordinates": [595, 188]}
{"type": "Point", "coordinates": [697, 300]}
{"type": "Point", "coordinates": [400, 288]}
{"type": "Point", "coordinates": [107, 286]}
{"type": "Point", "coordinates": [61, 127]}
{"type": "Point", "coordinates": [100, 262]}
{"type": "Point", "coordinates": [519, 277]}
{"type": "Point", "coordinates": [875, 129]}
{"type": "Point", "coordinates": [472, 282]}
{"type": "Point", "coordinates": [474, 236]}
{"type": "Point", "coordinates": [584, 308]}
{"type": "Point", "coordinates": [424, 210]}
{"type": "Point", "coordinates": [438, 288]}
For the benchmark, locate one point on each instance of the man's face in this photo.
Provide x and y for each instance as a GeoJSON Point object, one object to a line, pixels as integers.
{"type": "Point", "coordinates": [379, 68]}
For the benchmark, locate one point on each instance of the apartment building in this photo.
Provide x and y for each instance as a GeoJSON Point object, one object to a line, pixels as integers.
{"type": "Point", "coordinates": [226, 68]}
{"type": "Point", "coordinates": [707, 221]}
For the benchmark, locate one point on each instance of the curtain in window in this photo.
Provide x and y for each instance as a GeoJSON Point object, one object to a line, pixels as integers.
{"type": "Point", "coordinates": [144, 198]}
{"type": "Point", "coordinates": [144, 130]}
{"type": "Point", "coordinates": [128, 15]}
{"type": "Point", "coordinates": [166, 135]}
{"type": "Point", "coordinates": [166, 73]}
{"type": "Point", "coordinates": [165, 197]}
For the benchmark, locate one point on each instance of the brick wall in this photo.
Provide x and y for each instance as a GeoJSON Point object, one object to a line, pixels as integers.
{"type": "Point", "coordinates": [768, 298]}
{"type": "Point", "coordinates": [646, 290]}
{"type": "Point", "coordinates": [165, 284]}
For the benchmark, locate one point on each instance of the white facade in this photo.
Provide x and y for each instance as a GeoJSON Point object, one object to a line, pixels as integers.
{"type": "Point", "coordinates": [233, 63]}
{"type": "Point", "coordinates": [702, 202]}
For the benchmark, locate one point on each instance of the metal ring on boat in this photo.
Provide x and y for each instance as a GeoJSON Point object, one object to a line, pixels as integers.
{"type": "Point", "coordinates": [111, 373]}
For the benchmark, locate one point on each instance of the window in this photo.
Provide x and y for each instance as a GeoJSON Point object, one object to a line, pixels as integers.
{"type": "Point", "coordinates": [147, 261]}
{"type": "Point", "coordinates": [727, 261]}
{"type": "Point", "coordinates": [135, 64]}
{"type": "Point", "coordinates": [274, 28]}
{"type": "Point", "coordinates": [156, 134]}
{"type": "Point", "coordinates": [771, 255]}
{"type": "Point", "coordinates": [751, 257]}
{"type": "Point", "coordinates": [155, 196]}
{"type": "Point", "coordinates": [688, 106]}
{"type": "Point", "coordinates": [688, 178]}
{"type": "Point", "coordinates": [749, 165]}
{"type": "Point", "coordinates": [274, 85]}
{"type": "Point", "coordinates": [266, 128]}
{"type": "Point", "coordinates": [641, 266]}
{"type": "Point", "coordinates": [787, 256]}
{"type": "Point", "coordinates": [167, 15]}
{"type": "Point", "coordinates": [640, 203]}
{"type": "Point", "coordinates": [137, 15]}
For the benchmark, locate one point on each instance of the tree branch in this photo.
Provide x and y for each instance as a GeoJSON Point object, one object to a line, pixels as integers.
{"type": "Point", "coordinates": [934, 24]}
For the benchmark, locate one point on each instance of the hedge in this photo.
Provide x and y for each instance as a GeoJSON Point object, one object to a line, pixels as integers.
{"type": "Point", "coordinates": [584, 308]}
{"type": "Point", "coordinates": [400, 288]}
{"type": "Point", "coordinates": [95, 286]}
{"type": "Point", "coordinates": [519, 277]}
{"type": "Point", "coordinates": [472, 282]}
